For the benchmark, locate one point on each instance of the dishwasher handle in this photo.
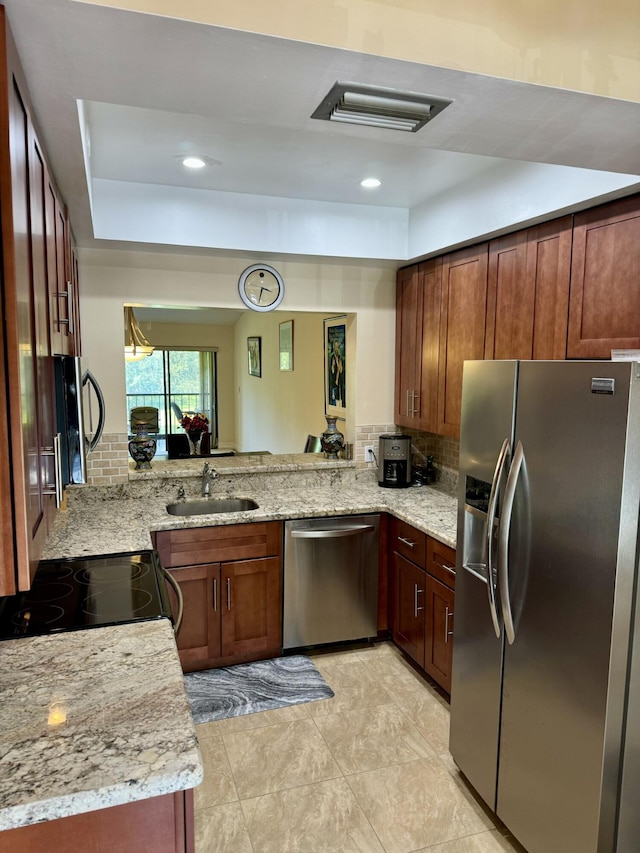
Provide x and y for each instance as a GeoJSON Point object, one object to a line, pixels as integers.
{"type": "Point", "coordinates": [330, 533]}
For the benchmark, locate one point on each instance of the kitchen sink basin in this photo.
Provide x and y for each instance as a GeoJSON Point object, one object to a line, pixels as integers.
{"type": "Point", "coordinates": [209, 506]}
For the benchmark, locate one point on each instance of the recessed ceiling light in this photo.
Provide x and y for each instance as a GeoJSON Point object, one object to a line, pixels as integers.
{"type": "Point", "coordinates": [370, 183]}
{"type": "Point", "coordinates": [193, 162]}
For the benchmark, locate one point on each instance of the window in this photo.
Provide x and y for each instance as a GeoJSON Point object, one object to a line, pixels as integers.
{"type": "Point", "coordinates": [174, 382]}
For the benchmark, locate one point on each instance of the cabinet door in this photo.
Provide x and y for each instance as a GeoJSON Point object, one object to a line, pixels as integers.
{"type": "Point", "coordinates": [549, 271]}
{"type": "Point", "coordinates": [45, 403]}
{"type": "Point", "coordinates": [462, 328]}
{"type": "Point", "coordinates": [431, 273]}
{"type": "Point", "coordinates": [65, 298]}
{"type": "Point", "coordinates": [199, 635]}
{"type": "Point", "coordinates": [55, 328]}
{"type": "Point", "coordinates": [21, 350]}
{"type": "Point", "coordinates": [510, 298]}
{"type": "Point", "coordinates": [409, 303]}
{"type": "Point", "coordinates": [251, 603]}
{"type": "Point", "coordinates": [409, 583]}
{"type": "Point", "coordinates": [439, 634]}
{"type": "Point", "coordinates": [604, 307]}
{"type": "Point", "coordinates": [75, 294]}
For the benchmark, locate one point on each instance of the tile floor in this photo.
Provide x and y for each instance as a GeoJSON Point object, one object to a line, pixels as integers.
{"type": "Point", "coordinates": [367, 771]}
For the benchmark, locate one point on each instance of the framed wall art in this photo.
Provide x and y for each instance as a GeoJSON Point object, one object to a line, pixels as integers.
{"type": "Point", "coordinates": [286, 345]}
{"type": "Point", "coordinates": [254, 354]}
{"type": "Point", "coordinates": [335, 366]}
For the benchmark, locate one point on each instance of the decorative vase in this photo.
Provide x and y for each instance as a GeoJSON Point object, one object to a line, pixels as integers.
{"type": "Point", "coordinates": [142, 448]}
{"type": "Point", "coordinates": [331, 440]}
{"type": "Point", "coordinates": [195, 440]}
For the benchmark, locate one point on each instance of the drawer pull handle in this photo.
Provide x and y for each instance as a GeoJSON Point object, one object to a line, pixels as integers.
{"type": "Point", "coordinates": [215, 594]}
{"type": "Point", "coordinates": [228, 593]}
{"type": "Point", "coordinates": [416, 593]}
{"type": "Point", "coordinates": [407, 542]}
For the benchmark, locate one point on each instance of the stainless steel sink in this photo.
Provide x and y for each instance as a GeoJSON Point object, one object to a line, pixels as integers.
{"type": "Point", "coordinates": [209, 506]}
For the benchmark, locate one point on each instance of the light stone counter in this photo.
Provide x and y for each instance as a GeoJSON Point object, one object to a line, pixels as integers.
{"type": "Point", "coordinates": [91, 719]}
{"type": "Point", "coordinates": [109, 519]}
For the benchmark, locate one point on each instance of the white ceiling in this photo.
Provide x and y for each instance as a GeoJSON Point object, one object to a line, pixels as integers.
{"type": "Point", "coordinates": [155, 88]}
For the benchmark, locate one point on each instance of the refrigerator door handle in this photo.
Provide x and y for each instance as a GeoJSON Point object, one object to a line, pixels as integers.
{"type": "Point", "coordinates": [503, 541]}
{"type": "Point", "coordinates": [488, 533]}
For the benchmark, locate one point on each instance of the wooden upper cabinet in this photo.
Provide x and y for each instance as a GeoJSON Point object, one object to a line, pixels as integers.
{"type": "Point", "coordinates": [431, 272]}
{"type": "Point", "coordinates": [418, 298]}
{"type": "Point", "coordinates": [45, 485]}
{"type": "Point", "coordinates": [604, 308]}
{"type": "Point", "coordinates": [28, 218]}
{"type": "Point", "coordinates": [510, 299]}
{"type": "Point", "coordinates": [409, 301]}
{"type": "Point", "coordinates": [549, 249]}
{"type": "Point", "coordinates": [528, 292]}
{"type": "Point", "coordinates": [65, 318]}
{"type": "Point", "coordinates": [462, 328]}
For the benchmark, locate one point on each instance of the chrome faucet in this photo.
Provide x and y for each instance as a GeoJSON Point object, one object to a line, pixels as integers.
{"type": "Point", "coordinates": [208, 474]}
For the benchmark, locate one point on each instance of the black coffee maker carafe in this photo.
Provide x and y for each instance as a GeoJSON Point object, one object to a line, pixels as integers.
{"type": "Point", "coordinates": [394, 461]}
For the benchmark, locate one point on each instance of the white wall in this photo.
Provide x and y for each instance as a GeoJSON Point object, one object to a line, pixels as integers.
{"type": "Point", "coordinates": [279, 409]}
{"type": "Point", "coordinates": [108, 279]}
{"type": "Point", "coordinates": [147, 213]}
{"type": "Point", "coordinates": [511, 195]}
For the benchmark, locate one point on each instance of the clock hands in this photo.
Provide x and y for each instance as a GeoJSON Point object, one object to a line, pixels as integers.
{"type": "Point", "coordinates": [268, 289]}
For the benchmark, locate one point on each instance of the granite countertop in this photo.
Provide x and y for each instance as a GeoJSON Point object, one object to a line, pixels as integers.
{"type": "Point", "coordinates": [108, 522]}
{"type": "Point", "coordinates": [91, 719]}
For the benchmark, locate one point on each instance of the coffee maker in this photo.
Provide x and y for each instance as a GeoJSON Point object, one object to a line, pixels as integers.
{"type": "Point", "coordinates": [394, 466]}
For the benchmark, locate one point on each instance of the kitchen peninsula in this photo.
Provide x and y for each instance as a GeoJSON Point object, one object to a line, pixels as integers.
{"type": "Point", "coordinates": [105, 519]}
{"type": "Point", "coordinates": [127, 734]}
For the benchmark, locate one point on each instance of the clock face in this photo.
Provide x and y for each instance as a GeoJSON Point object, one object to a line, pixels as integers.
{"type": "Point", "coordinates": [261, 288]}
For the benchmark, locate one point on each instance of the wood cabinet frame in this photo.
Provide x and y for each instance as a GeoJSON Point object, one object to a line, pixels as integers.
{"type": "Point", "coordinates": [231, 580]}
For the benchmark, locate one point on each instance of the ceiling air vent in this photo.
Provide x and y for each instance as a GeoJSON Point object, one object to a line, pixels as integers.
{"type": "Point", "coordinates": [371, 105]}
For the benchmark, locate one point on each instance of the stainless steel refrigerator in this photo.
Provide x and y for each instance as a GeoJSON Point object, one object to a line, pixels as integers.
{"type": "Point", "coordinates": [545, 699]}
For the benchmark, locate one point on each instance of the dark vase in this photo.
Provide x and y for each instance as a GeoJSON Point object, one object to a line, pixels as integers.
{"type": "Point", "coordinates": [195, 441]}
{"type": "Point", "coordinates": [331, 440]}
{"type": "Point", "coordinates": [142, 448]}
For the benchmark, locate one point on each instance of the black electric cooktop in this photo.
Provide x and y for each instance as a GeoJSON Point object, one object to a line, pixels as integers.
{"type": "Point", "coordinates": [87, 592]}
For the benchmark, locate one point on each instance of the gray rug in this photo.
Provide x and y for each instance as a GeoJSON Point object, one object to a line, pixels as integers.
{"type": "Point", "coordinates": [233, 691]}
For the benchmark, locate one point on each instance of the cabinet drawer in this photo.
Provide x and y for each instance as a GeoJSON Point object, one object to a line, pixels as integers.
{"type": "Point", "coordinates": [408, 541]}
{"type": "Point", "coordinates": [194, 546]}
{"type": "Point", "coordinates": [441, 562]}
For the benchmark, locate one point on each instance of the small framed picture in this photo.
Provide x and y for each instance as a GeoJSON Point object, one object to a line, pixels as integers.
{"type": "Point", "coordinates": [254, 353]}
{"type": "Point", "coordinates": [286, 345]}
{"type": "Point", "coordinates": [335, 367]}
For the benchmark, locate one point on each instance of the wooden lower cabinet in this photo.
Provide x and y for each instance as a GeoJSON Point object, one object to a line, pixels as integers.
{"type": "Point", "coordinates": [232, 607]}
{"type": "Point", "coordinates": [163, 824]}
{"type": "Point", "coordinates": [438, 655]}
{"type": "Point", "coordinates": [423, 583]}
{"type": "Point", "coordinates": [409, 610]}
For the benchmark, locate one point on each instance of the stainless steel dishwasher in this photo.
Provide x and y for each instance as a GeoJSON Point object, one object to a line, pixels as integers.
{"type": "Point", "coordinates": [330, 580]}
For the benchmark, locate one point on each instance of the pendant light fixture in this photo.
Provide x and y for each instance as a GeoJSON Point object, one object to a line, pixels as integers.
{"type": "Point", "coordinates": [136, 346]}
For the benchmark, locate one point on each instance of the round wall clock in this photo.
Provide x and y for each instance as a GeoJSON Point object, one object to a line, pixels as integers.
{"type": "Point", "coordinates": [261, 287]}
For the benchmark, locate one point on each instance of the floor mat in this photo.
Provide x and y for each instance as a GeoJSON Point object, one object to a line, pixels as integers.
{"type": "Point", "coordinates": [233, 691]}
